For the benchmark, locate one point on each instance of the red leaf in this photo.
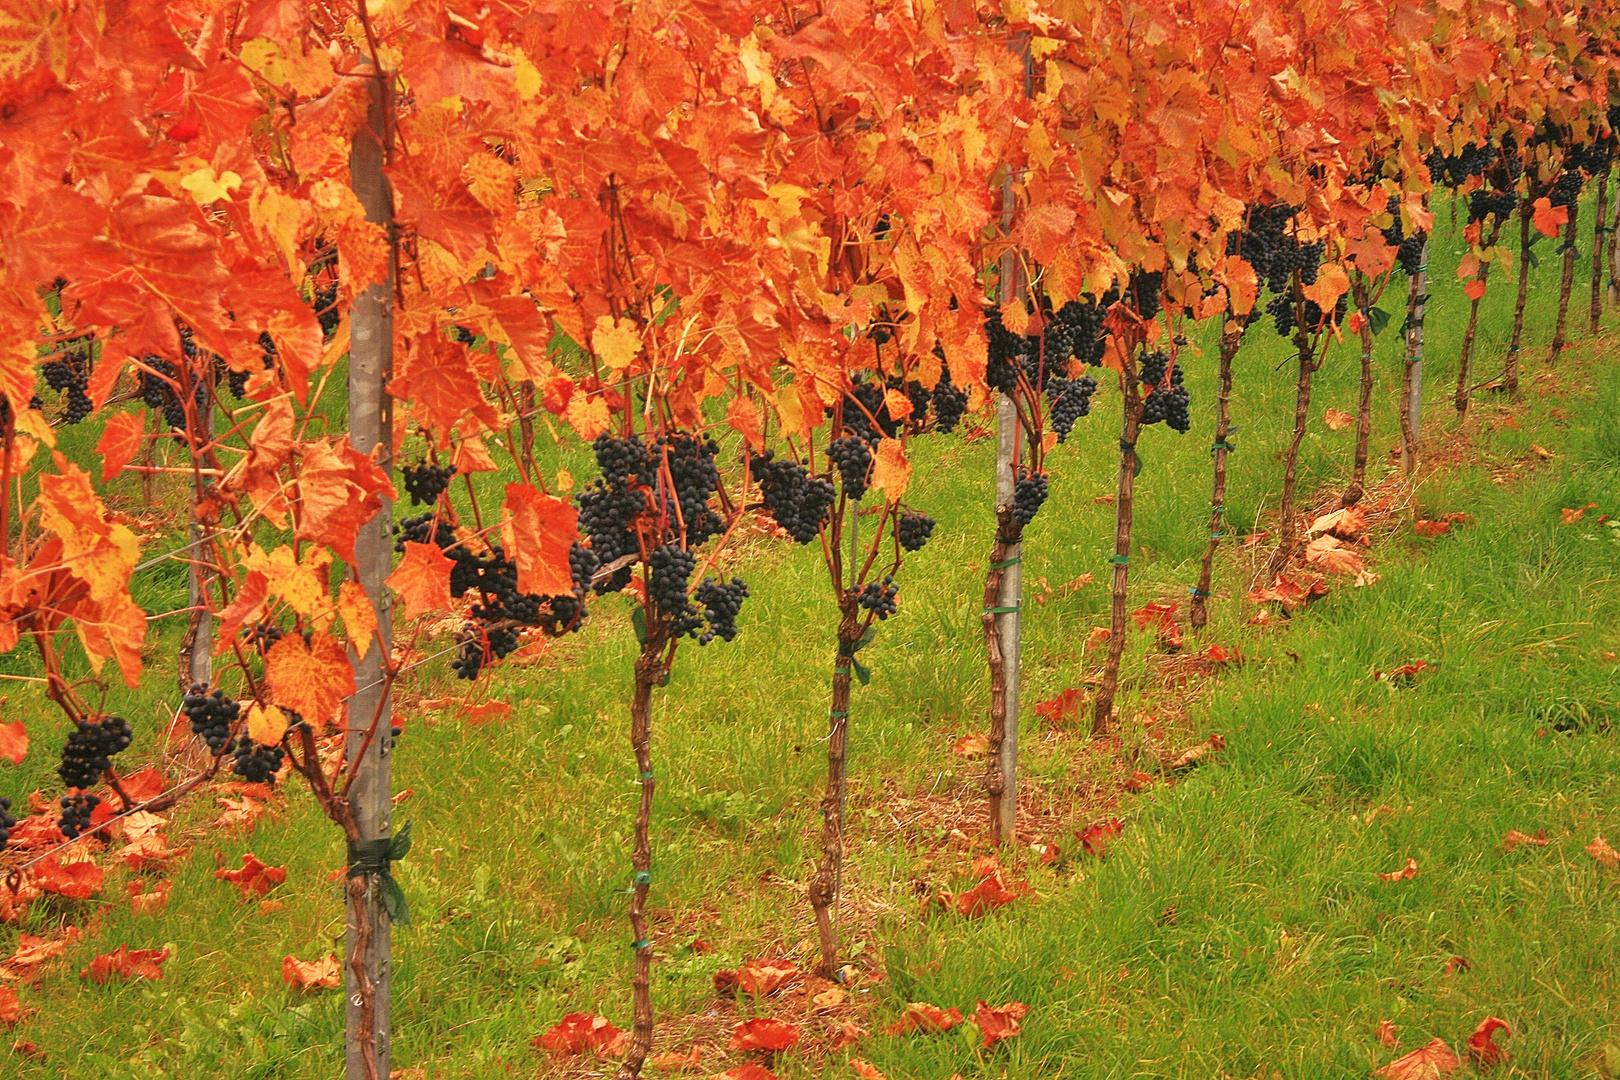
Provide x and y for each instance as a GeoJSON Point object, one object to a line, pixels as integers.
{"type": "Point", "coordinates": [743, 416]}
{"type": "Point", "coordinates": [1405, 873]}
{"type": "Point", "coordinates": [1386, 1034]}
{"type": "Point", "coordinates": [120, 442]}
{"type": "Point", "coordinates": [975, 744]}
{"type": "Point", "coordinates": [1094, 838]}
{"type": "Point", "coordinates": [1425, 1063]}
{"type": "Point", "coordinates": [583, 1033]}
{"type": "Point", "coordinates": [1475, 289]}
{"type": "Point", "coordinates": [763, 1033]}
{"type": "Point", "coordinates": [1405, 671]}
{"type": "Point", "coordinates": [760, 977]}
{"type": "Point", "coordinates": [10, 1007]}
{"type": "Point", "coordinates": [538, 531]}
{"type": "Point", "coordinates": [309, 679]}
{"type": "Point", "coordinates": [1138, 781]}
{"type": "Point", "coordinates": [14, 741]}
{"type": "Point", "coordinates": [145, 785]}
{"type": "Point", "coordinates": [870, 1072]}
{"type": "Point", "coordinates": [313, 974]}
{"type": "Point", "coordinates": [1548, 219]}
{"type": "Point", "coordinates": [254, 878]}
{"type": "Point", "coordinates": [1480, 1046]}
{"type": "Point", "coordinates": [1289, 591]}
{"type": "Point", "coordinates": [126, 963]}
{"type": "Point", "coordinates": [77, 881]}
{"type": "Point", "coordinates": [989, 894]}
{"type": "Point", "coordinates": [1000, 1021]}
{"type": "Point", "coordinates": [339, 489]}
{"type": "Point", "coordinates": [148, 903]}
{"type": "Point", "coordinates": [1603, 852]}
{"type": "Point", "coordinates": [745, 1072]}
{"type": "Point", "coordinates": [1063, 707]}
{"type": "Point", "coordinates": [921, 1016]}
{"type": "Point", "coordinates": [422, 579]}
{"type": "Point", "coordinates": [1514, 838]}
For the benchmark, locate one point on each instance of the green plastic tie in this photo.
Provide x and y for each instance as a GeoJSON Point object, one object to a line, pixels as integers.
{"type": "Point", "coordinates": [1003, 565]}
{"type": "Point", "coordinates": [1196, 591]}
{"type": "Point", "coordinates": [374, 858]}
{"type": "Point", "coordinates": [839, 715]}
{"type": "Point", "coordinates": [643, 877]}
{"type": "Point", "coordinates": [647, 776]}
{"type": "Point", "coordinates": [1000, 610]}
{"type": "Point", "coordinates": [1217, 508]}
{"type": "Point", "coordinates": [1122, 560]}
{"type": "Point", "coordinates": [642, 944]}
{"type": "Point", "coordinates": [1216, 536]}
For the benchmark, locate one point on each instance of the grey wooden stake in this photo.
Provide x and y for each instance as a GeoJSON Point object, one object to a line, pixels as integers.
{"type": "Point", "coordinates": [1012, 578]}
{"type": "Point", "coordinates": [201, 660]}
{"type": "Point", "coordinates": [371, 424]}
{"type": "Point", "coordinates": [1419, 287]}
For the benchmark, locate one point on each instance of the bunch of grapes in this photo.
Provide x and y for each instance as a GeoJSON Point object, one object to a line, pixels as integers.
{"type": "Point", "coordinates": [1029, 493]}
{"type": "Point", "coordinates": [90, 749]}
{"type": "Point", "coordinates": [257, 764]}
{"type": "Point", "coordinates": [797, 501]}
{"type": "Point", "coordinates": [7, 822]}
{"type": "Point", "coordinates": [608, 508]}
{"type": "Point", "coordinates": [263, 636]}
{"type": "Point", "coordinates": [879, 599]}
{"type": "Point", "coordinates": [914, 529]}
{"type": "Point", "coordinates": [425, 482]}
{"type": "Point", "coordinates": [950, 401]}
{"type": "Point", "coordinates": [211, 715]}
{"type": "Point", "coordinates": [1083, 319]}
{"type": "Point", "coordinates": [671, 567]}
{"type": "Point", "coordinates": [158, 394]}
{"type": "Point", "coordinates": [76, 811]}
{"type": "Point", "coordinates": [1408, 249]}
{"type": "Point", "coordinates": [918, 394]}
{"type": "Point", "coordinates": [70, 376]}
{"type": "Point", "coordinates": [1501, 204]}
{"type": "Point", "coordinates": [1145, 289]}
{"type": "Point", "coordinates": [721, 604]}
{"type": "Point", "coordinates": [853, 458]}
{"type": "Point", "coordinates": [866, 413]}
{"type": "Point", "coordinates": [326, 308]}
{"type": "Point", "coordinates": [1454, 171]}
{"type": "Point", "coordinates": [1071, 399]}
{"type": "Point", "coordinates": [696, 479]}
{"type": "Point", "coordinates": [1166, 402]}
{"type": "Point", "coordinates": [1567, 191]}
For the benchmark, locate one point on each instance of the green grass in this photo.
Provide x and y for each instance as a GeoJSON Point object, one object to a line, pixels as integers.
{"type": "Point", "coordinates": [1283, 950]}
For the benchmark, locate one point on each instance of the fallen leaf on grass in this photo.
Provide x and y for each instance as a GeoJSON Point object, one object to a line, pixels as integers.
{"type": "Point", "coordinates": [10, 1007]}
{"type": "Point", "coordinates": [1405, 873]}
{"type": "Point", "coordinates": [763, 1033]}
{"type": "Point", "coordinates": [1424, 527]}
{"type": "Point", "coordinates": [1480, 1046]}
{"type": "Point", "coordinates": [1195, 755]}
{"type": "Point", "coordinates": [478, 715]}
{"type": "Point", "coordinates": [1138, 781]}
{"type": "Point", "coordinates": [1344, 523]}
{"type": "Point", "coordinates": [126, 963]}
{"type": "Point", "coordinates": [1065, 706]}
{"type": "Point", "coordinates": [1290, 591]}
{"type": "Point", "coordinates": [1572, 516]}
{"type": "Point", "coordinates": [1458, 963]}
{"type": "Point", "coordinates": [1336, 420]}
{"type": "Point", "coordinates": [1600, 850]}
{"type": "Point", "coordinates": [582, 1033]}
{"type": "Point", "coordinates": [1514, 838]}
{"type": "Point", "coordinates": [1542, 452]}
{"type": "Point", "coordinates": [674, 1059]}
{"type": "Point", "coordinates": [849, 1033]}
{"type": "Point", "coordinates": [1386, 1034]}
{"type": "Point", "coordinates": [863, 1069]}
{"type": "Point", "coordinates": [145, 785]}
{"type": "Point", "coordinates": [1220, 654]}
{"type": "Point", "coordinates": [974, 745]}
{"type": "Point", "coordinates": [14, 741]}
{"type": "Point", "coordinates": [1405, 671]}
{"type": "Point", "coordinates": [149, 850]}
{"type": "Point", "coordinates": [1049, 853]}
{"type": "Point", "coordinates": [1094, 838]}
{"type": "Point", "coordinates": [1000, 1021]}
{"type": "Point", "coordinates": [745, 1072]}
{"type": "Point", "coordinates": [1099, 635]}
{"type": "Point", "coordinates": [921, 1016]}
{"type": "Point", "coordinates": [76, 880]}
{"type": "Point", "coordinates": [1331, 555]}
{"type": "Point", "coordinates": [1424, 1063]}
{"type": "Point", "coordinates": [28, 1049]}
{"type": "Point", "coordinates": [243, 811]}
{"type": "Point", "coordinates": [312, 974]}
{"type": "Point", "coordinates": [757, 977]}
{"type": "Point", "coordinates": [828, 999]}
{"type": "Point", "coordinates": [989, 894]}
{"type": "Point", "coordinates": [148, 903]}
{"type": "Point", "coordinates": [254, 878]}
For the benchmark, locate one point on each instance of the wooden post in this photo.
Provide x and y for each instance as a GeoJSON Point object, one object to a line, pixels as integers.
{"type": "Point", "coordinates": [1412, 381]}
{"type": "Point", "coordinates": [371, 425]}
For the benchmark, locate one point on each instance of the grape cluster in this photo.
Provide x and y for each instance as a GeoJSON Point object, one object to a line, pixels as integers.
{"type": "Point", "coordinates": [696, 479]}
{"type": "Point", "coordinates": [1408, 249]}
{"type": "Point", "coordinates": [158, 394]}
{"type": "Point", "coordinates": [950, 401]}
{"type": "Point", "coordinates": [1284, 313]}
{"type": "Point", "coordinates": [1454, 171]}
{"type": "Point", "coordinates": [879, 599]}
{"type": "Point", "coordinates": [263, 636]}
{"type": "Point", "coordinates": [914, 529]}
{"type": "Point", "coordinates": [257, 764]}
{"type": "Point", "coordinates": [1145, 292]}
{"type": "Point", "coordinates": [90, 749]}
{"type": "Point", "coordinates": [76, 811]}
{"type": "Point", "coordinates": [326, 309]}
{"type": "Point", "coordinates": [1165, 401]}
{"type": "Point", "coordinates": [425, 482]}
{"type": "Point", "coordinates": [797, 501]}
{"type": "Point", "coordinates": [853, 458]}
{"type": "Point", "coordinates": [866, 413]}
{"type": "Point", "coordinates": [1500, 204]}
{"type": "Point", "coordinates": [7, 822]}
{"type": "Point", "coordinates": [1265, 244]}
{"type": "Point", "coordinates": [211, 715]}
{"type": "Point", "coordinates": [1071, 399]}
{"type": "Point", "coordinates": [670, 567]}
{"type": "Point", "coordinates": [721, 604]}
{"type": "Point", "coordinates": [69, 375]}
{"type": "Point", "coordinates": [1073, 331]}
{"type": "Point", "coordinates": [1567, 190]}
{"type": "Point", "coordinates": [918, 394]}
{"type": "Point", "coordinates": [1029, 493]}
{"type": "Point", "coordinates": [1083, 319]}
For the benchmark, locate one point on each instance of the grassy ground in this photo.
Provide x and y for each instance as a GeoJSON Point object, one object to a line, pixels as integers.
{"type": "Point", "coordinates": [1238, 926]}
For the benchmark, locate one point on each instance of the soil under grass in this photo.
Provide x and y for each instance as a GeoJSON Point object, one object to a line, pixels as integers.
{"type": "Point", "coordinates": [1238, 925]}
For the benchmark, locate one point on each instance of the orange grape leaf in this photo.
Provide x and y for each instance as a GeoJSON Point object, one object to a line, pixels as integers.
{"type": "Point", "coordinates": [126, 963]}
{"type": "Point", "coordinates": [1015, 316]}
{"type": "Point", "coordinates": [743, 416]}
{"type": "Point", "coordinates": [1600, 850]}
{"type": "Point", "coordinates": [1480, 1046]}
{"type": "Point", "coordinates": [33, 951]}
{"type": "Point", "coordinates": [77, 881]}
{"type": "Point", "coordinates": [422, 579]}
{"type": "Point", "coordinates": [989, 894]}
{"type": "Point", "coordinates": [1405, 873]}
{"type": "Point", "coordinates": [616, 342]}
{"type": "Point", "coordinates": [870, 1072]}
{"type": "Point", "coordinates": [10, 1007]}
{"type": "Point", "coordinates": [999, 1022]}
{"type": "Point", "coordinates": [1241, 282]}
{"type": "Point", "coordinates": [359, 617]}
{"type": "Point", "coordinates": [538, 531]}
{"type": "Point", "coordinates": [674, 1059]}
{"type": "Point", "coordinates": [142, 902]}
{"type": "Point", "coordinates": [745, 1072]}
{"type": "Point", "coordinates": [1331, 283]}
{"type": "Point", "coordinates": [973, 745]}
{"type": "Point", "coordinates": [1138, 781]}
{"type": "Point", "coordinates": [145, 785]}
{"type": "Point", "coordinates": [14, 741]}
{"type": "Point", "coordinates": [312, 974]}
{"type": "Point", "coordinates": [96, 549]}
{"type": "Point", "coordinates": [310, 680]}
{"type": "Point", "coordinates": [762, 977]}
{"type": "Point", "coordinates": [1548, 219]}
{"type": "Point", "coordinates": [243, 811]}
{"type": "Point", "coordinates": [1094, 838]}
{"type": "Point", "coordinates": [588, 415]}
{"type": "Point", "coordinates": [1065, 706]}
{"type": "Point", "coordinates": [266, 725]}
{"type": "Point", "coordinates": [1332, 555]}
{"type": "Point", "coordinates": [891, 472]}
{"type": "Point", "coordinates": [1425, 1063]}
{"type": "Point", "coordinates": [1099, 635]}
{"type": "Point", "coordinates": [897, 404]}
{"type": "Point", "coordinates": [339, 490]}
{"type": "Point", "coordinates": [120, 442]}
{"type": "Point", "coordinates": [1386, 1034]}
{"type": "Point", "coordinates": [1476, 291]}
{"type": "Point", "coordinates": [921, 1016]}
{"type": "Point", "coordinates": [1350, 521]}
{"type": "Point", "coordinates": [1515, 838]}
{"type": "Point", "coordinates": [763, 1033]}
{"type": "Point", "coordinates": [147, 850]}
{"type": "Point", "coordinates": [254, 878]}
{"type": "Point", "coordinates": [1336, 420]}
{"type": "Point", "coordinates": [849, 1033]}
{"type": "Point", "coordinates": [483, 713]}
{"type": "Point", "coordinates": [582, 1033]}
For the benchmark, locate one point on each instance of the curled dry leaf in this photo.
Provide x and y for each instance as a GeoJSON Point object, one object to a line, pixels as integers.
{"type": "Point", "coordinates": [1194, 755]}
{"type": "Point", "coordinates": [312, 974]}
{"type": "Point", "coordinates": [584, 1033]}
{"type": "Point", "coordinates": [254, 878]}
{"type": "Point", "coordinates": [1336, 420]}
{"type": "Point", "coordinates": [1290, 590]}
{"type": "Point", "coordinates": [1063, 707]}
{"type": "Point", "coordinates": [926, 1018]}
{"type": "Point", "coordinates": [76, 880]}
{"type": "Point", "coordinates": [1600, 850]}
{"type": "Point", "coordinates": [1406, 672]}
{"type": "Point", "coordinates": [126, 963]}
{"type": "Point", "coordinates": [1329, 553]}
{"type": "Point", "coordinates": [1405, 873]}
{"type": "Point", "coordinates": [848, 1034]}
{"type": "Point", "coordinates": [1099, 636]}
{"type": "Point", "coordinates": [745, 1072]}
{"type": "Point", "coordinates": [974, 745]}
{"type": "Point", "coordinates": [829, 999]}
{"type": "Point", "coordinates": [1386, 1034]}
{"type": "Point", "coordinates": [1481, 1048]}
{"type": "Point", "coordinates": [1351, 521]}
{"type": "Point", "coordinates": [991, 893]}
{"type": "Point", "coordinates": [142, 902]}
{"type": "Point", "coordinates": [998, 1022]}
{"type": "Point", "coordinates": [1094, 838]}
{"type": "Point", "coordinates": [1515, 838]}
{"type": "Point", "coordinates": [863, 1069]}
{"type": "Point", "coordinates": [1138, 781]}
{"type": "Point", "coordinates": [1425, 1063]}
{"type": "Point", "coordinates": [757, 977]}
{"type": "Point", "coordinates": [674, 1060]}
{"type": "Point", "coordinates": [763, 1033]}
{"type": "Point", "coordinates": [238, 812]}
{"type": "Point", "coordinates": [10, 1007]}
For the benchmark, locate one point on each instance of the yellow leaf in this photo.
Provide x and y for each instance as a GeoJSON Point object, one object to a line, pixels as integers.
{"type": "Point", "coordinates": [1331, 283]}
{"type": "Point", "coordinates": [266, 726]}
{"type": "Point", "coordinates": [892, 472]}
{"type": "Point", "coordinates": [206, 186]}
{"type": "Point", "coordinates": [616, 342]}
{"type": "Point", "coordinates": [1015, 317]}
{"type": "Point", "coordinates": [359, 618]}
